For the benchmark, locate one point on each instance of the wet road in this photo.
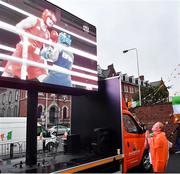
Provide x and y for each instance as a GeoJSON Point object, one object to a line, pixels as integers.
{"type": "Point", "coordinates": [172, 167]}
{"type": "Point", "coordinates": [173, 163]}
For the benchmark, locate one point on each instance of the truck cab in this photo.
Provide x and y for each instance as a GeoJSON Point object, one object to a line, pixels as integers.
{"type": "Point", "coordinates": [135, 147]}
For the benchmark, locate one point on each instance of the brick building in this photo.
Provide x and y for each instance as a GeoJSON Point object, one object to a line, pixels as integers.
{"type": "Point", "coordinates": [159, 112]}
{"type": "Point", "coordinates": [56, 107]}
{"type": "Point", "coordinates": [9, 102]}
{"type": "Point", "coordinates": [129, 83]}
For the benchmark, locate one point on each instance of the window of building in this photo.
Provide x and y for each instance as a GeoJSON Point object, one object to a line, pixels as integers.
{"type": "Point", "coordinates": [10, 97]}
{"type": "Point", "coordinates": [15, 111]}
{"type": "Point", "coordinates": [132, 89]}
{"type": "Point", "coordinates": [133, 80]}
{"type": "Point", "coordinates": [122, 88]}
{"type": "Point", "coordinates": [52, 113]}
{"type": "Point", "coordinates": [130, 79]}
{"type": "Point", "coordinates": [16, 95]}
{"type": "Point", "coordinates": [125, 88]}
{"type": "Point", "coordinates": [0, 112]}
{"type": "Point", "coordinates": [3, 112]}
{"type": "Point", "coordinates": [4, 98]}
{"type": "Point", "coordinates": [39, 111]}
{"type": "Point", "coordinates": [65, 113]}
{"type": "Point", "coordinates": [9, 114]}
{"type": "Point", "coordinates": [126, 78]}
{"type": "Point", "coordinates": [137, 81]}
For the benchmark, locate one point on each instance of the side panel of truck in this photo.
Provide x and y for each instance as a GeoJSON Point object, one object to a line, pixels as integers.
{"type": "Point", "coordinates": [100, 110]}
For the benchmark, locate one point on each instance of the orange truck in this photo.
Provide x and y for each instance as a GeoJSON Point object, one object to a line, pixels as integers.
{"type": "Point", "coordinates": [104, 137]}
{"type": "Point", "coordinates": [135, 148]}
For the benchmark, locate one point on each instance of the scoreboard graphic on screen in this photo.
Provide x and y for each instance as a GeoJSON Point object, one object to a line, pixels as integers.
{"type": "Point", "coordinates": [42, 42]}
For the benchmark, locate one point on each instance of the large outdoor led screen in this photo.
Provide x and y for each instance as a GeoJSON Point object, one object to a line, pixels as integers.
{"type": "Point", "coordinates": [42, 42]}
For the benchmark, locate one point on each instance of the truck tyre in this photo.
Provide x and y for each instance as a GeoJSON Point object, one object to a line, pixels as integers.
{"type": "Point", "coordinates": [50, 146]}
{"type": "Point", "coordinates": [145, 165]}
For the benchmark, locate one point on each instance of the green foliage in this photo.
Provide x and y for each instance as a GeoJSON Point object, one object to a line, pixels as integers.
{"type": "Point", "coordinates": [153, 94]}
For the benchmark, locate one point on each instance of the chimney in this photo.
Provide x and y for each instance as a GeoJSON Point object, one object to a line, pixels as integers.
{"type": "Point", "coordinates": [111, 66]}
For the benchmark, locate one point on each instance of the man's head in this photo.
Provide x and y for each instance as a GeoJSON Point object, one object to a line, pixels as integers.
{"type": "Point", "coordinates": [157, 127]}
{"type": "Point", "coordinates": [49, 18]}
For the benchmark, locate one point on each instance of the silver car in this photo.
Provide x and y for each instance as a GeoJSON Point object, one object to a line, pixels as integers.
{"type": "Point", "coordinates": [59, 129]}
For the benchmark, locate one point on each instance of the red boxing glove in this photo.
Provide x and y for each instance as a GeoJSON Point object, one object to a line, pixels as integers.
{"type": "Point", "coordinates": [54, 36]}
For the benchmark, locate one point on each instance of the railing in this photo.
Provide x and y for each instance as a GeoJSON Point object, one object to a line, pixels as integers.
{"type": "Point", "coordinates": [10, 150]}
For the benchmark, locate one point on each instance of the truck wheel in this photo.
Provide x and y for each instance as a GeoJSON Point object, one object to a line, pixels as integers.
{"type": "Point", "coordinates": [145, 162]}
{"type": "Point", "coordinates": [50, 146]}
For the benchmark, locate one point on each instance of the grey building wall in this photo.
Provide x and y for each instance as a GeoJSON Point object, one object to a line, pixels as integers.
{"type": "Point", "coordinates": [9, 102]}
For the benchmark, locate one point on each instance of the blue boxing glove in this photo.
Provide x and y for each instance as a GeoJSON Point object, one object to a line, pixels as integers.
{"type": "Point", "coordinates": [65, 39]}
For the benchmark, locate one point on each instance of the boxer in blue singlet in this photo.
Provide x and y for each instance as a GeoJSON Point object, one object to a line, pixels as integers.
{"type": "Point", "coordinates": [65, 60]}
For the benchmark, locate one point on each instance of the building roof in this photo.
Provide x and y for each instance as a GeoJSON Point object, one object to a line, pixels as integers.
{"type": "Point", "coordinates": [156, 83]}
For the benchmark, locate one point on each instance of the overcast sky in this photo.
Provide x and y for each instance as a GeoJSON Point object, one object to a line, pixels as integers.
{"type": "Point", "coordinates": [151, 26]}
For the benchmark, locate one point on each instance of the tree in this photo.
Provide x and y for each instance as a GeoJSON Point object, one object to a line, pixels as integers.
{"type": "Point", "coordinates": [153, 94]}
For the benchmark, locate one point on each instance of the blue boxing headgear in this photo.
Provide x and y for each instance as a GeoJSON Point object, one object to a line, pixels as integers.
{"type": "Point", "coordinates": [65, 39]}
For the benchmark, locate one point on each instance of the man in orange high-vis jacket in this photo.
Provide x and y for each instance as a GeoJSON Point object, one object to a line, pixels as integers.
{"type": "Point", "coordinates": [159, 148]}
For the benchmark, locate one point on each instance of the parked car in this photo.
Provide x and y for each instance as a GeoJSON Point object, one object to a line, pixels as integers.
{"type": "Point", "coordinates": [59, 129]}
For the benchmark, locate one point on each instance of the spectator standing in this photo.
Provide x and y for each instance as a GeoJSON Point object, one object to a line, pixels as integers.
{"type": "Point", "coordinates": [159, 147]}
{"type": "Point", "coordinates": [177, 145]}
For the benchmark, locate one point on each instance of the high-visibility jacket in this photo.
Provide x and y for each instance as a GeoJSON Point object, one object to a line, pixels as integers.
{"type": "Point", "coordinates": [159, 151]}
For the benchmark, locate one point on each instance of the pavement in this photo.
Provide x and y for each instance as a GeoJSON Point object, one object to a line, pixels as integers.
{"type": "Point", "coordinates": [172, 167]}
{"type": "Point", "coordinates": [173, 163]}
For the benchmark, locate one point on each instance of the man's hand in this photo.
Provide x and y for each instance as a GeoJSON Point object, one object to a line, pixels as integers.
{"type": "Point", "coordinates": [147, 134]}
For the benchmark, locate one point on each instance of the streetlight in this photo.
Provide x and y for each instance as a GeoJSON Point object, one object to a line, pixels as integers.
{"type": "Point", "coordinates": [125, 51]}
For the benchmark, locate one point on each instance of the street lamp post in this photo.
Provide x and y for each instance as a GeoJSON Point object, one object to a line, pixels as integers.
{"type": "Point", "coordinates": [125, 51]}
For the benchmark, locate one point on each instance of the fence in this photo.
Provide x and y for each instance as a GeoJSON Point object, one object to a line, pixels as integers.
{"type": "Point", "coordinates": [11, 150]}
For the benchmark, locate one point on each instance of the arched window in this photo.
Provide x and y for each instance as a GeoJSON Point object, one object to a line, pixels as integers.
{"type": "Point", "coordinates": [3, 112]}
{"type": "Point", "coordinates": [4, 98]}
{"type": "Point", "coordinates": [16, 95]}
{"type": "Point", "coordinates": [65, 113]}
{"type": "Point", "coordinates": [39, 111]}
{"type": "Point", "coordinates": [15, 111]}
{"type": "Point", "coordinates": [52, 113]}
{"type": "Point", "coordinates": [10, 97]}
{"type": "Point", "coordinates": [9, 112]}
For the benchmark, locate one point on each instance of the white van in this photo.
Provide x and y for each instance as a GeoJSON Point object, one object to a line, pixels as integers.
{"type": "Point", "coordinates": [13, 136]}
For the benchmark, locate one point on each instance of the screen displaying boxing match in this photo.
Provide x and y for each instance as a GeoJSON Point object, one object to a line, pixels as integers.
{"type": "Point", "coordinates": [42, 42]}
